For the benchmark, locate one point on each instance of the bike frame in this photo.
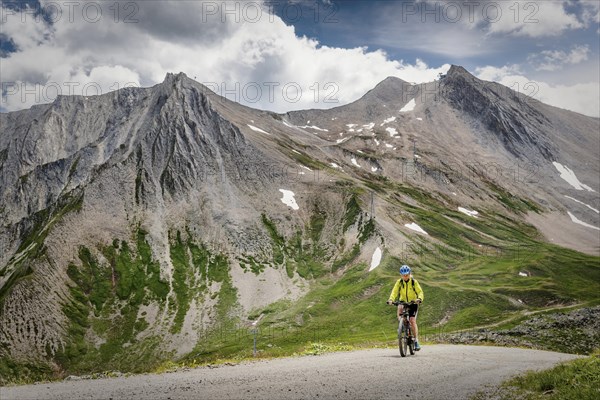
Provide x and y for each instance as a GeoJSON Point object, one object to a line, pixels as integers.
{"type": "Point", "coordinates": [404, 325]}
{"type": "Point", "coordinates": [405, 340]}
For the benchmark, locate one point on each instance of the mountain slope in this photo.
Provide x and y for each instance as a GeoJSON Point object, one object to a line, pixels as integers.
{"type": "Point", "coordinates": [138, 223]}
{"type": "Point", "coordinates": [467, 131]}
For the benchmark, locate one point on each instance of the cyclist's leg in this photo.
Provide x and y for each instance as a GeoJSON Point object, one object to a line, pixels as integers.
{"type": "Point", "coordinates": [399, 318]}
{"type": "Point", "coordinates": [414, 328]}
{"type": "Point", "coordinates": [414, 310]}
{"type": "Point", "coordinates": [400, 309]}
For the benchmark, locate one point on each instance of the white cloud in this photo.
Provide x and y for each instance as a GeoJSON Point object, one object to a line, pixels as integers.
{"type": "Point", "coordinates": [516, 17]}
{"type": "Point", "coordinates": [99, 80]}
{"type": "Point", "coordinates": [553, 60]}
{"type": "Point", "coordinates": [467, 29]}
{"type": "Point", "coordinates": [239, 53]}
{"type": "Point", "coordinates": [582, 97]}
{"type": "Point", "coordinates": [231, 55]}
{"type": "Point", "coordinates": [534, 19]}
{"type": "Point", "coordinates": [591, 11]}
{"type": "Point", "coordinates": [491, 73]}
{"type": "Point", "coordinates": [448, 40]}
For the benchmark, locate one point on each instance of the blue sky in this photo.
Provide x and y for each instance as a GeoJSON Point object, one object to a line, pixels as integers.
{"type": "Point", "coordinates": [302, 45]}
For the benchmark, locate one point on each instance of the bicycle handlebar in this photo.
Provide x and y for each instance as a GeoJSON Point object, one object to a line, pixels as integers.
{"type": "Point", "coordinates": [397, 303]}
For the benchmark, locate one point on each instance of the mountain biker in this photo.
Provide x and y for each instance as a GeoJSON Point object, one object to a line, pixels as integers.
{"type": "Point", "coordinates": [407, 289]}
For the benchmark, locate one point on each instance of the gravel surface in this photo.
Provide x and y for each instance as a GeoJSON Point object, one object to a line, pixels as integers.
{"type": "Point", "coordinates": [436, 372]}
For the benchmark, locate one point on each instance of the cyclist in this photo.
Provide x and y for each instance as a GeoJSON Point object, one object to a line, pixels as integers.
{"type": "Point", "coordinates": [407, 289]}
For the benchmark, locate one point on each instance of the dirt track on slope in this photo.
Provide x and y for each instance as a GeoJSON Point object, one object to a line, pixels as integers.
{"type": "Point", "coordinates": [436, 372]}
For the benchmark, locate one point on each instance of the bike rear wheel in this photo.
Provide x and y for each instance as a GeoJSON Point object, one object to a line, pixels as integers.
{"type": "Point", "coordinates": [411, 347]}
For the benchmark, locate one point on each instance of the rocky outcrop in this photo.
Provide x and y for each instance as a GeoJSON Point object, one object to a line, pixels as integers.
{"type": "Point", "coordinates": [573, 332]}
{"type": "Point", "coordinates": [503, 112]}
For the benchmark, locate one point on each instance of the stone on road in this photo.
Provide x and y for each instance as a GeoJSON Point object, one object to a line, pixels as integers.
{"type": "Point", "coordinates": [436, 372]}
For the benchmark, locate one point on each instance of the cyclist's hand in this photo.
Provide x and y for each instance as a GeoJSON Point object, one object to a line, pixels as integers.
{"type": "Point", "coordinates": [419, 301]}
{"type": "Point", "coordinates": [388, 302]}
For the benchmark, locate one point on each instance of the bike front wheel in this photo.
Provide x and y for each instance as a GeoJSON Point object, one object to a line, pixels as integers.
{"type": "Point", "coordinates": [403, 342]}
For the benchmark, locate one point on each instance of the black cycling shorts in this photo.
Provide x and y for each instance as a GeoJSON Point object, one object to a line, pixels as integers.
{"type": "Point", "coordinates": [413, 309]}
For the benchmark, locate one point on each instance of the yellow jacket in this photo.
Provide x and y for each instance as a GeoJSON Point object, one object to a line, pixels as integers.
{"type": "Point", "coordinates": [405, 291]}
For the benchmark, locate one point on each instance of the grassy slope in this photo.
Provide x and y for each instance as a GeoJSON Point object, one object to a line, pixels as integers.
{"type": "Point", "coordinates": [467, 284]}
{"type": "Point", "coordinates": [470, 277]}
{"type": "Point", "coordinates": [107, 301]}
{"type": "Point", "coordinates": [576, 380]}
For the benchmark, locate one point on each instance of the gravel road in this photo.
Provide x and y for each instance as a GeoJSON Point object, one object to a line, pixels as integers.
{"type": "Point", "coordinates": [436, 372]}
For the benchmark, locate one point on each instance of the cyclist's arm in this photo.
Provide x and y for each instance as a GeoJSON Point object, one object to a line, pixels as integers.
{"type": "Point", "coordinates": [395, 290]}
{"type": "Point", "coordinates": [420, 294]}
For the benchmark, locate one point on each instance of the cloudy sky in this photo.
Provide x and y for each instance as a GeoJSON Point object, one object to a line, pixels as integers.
{"type": "Point", "coordinates": [284, 55]}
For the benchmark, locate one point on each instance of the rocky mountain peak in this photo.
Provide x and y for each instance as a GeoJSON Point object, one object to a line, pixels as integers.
{"type": "Point", "coordinates": [173, 82]}
{"type": "Point", "coordinates": [387, 91]}
{"type": "Point", "coordinates": [176, 82]}
{"type": "Point", "coordinates": [171, 76]}
{"type": "Point", "coordinates": [506, 114]}
{"type": "Point", "coordinates": [391, 81]}
{"type": "Point", "coordinates": [458, 71]}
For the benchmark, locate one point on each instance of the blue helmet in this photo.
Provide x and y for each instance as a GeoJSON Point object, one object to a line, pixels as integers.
{"type": "Point", "coordinates": [405, 269]}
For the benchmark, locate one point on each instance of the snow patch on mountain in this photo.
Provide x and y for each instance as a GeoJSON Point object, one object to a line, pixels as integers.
{"type": "Point", "coordinates": [314, 127]}
{"type": "Point", "coordinates": [416, 228]}
{"type": "Point", "coordinates": [468, 212]}
{"type": "Point", "coordinates": [257, 129]}
{"type": "Point", "coordinates": [409, 106]}
{"type": "Point", "coordinates": [288, 199]}
{"type": "Point", "coordinates": [375, 259]}
{"type": "Point", "coordinates": [580, 222]}
{"type": "Point", "coordinates": [581, 202]}
{"type": "Point", "coordinates": [568, 175]}
{"type": "Point", "coordinates": [388, 120]}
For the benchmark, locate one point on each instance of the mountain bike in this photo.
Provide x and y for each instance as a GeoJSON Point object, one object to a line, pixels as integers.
{"type": "Point", "coordinates": [405, 339]}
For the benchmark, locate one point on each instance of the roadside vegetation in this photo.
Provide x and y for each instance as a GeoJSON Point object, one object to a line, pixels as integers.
{"type": "Point", "coordinates": [575, 380]}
